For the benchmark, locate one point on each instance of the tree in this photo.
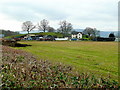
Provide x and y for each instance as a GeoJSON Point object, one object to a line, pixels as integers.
{"type": "Point", "coordinates": [111, 35]}
{"type": "Point", "coordinates": [28, 26]}
{"type": "Point", "coordinates": [51, 29]}
{"type": "Point", "coordinates": [8, 32]}
{"type": "Point", "coordinates": [91, 32]}
{"type": "Point", "coordinates": [65, 27]}
{"type": "Point", "coordinates": [43, 25]}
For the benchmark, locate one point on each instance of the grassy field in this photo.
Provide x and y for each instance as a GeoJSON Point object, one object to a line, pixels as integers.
{"type": "Point", "coordinates": [99, 58]}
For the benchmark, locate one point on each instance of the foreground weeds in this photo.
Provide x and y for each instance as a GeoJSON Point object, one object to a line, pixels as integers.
{"type": "Point", "coordinates": [20, 69]}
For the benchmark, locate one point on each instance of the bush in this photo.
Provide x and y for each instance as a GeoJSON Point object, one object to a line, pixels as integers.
{"type": "Point", "coordinates": [85, 37]}
{"type": "Point", "coordinates": [8, 42]}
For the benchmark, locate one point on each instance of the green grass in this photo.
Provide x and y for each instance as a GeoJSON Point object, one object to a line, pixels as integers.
{"type": "Point", "coordinates": [41, 33]}
{"type": "Point", "coordinates": [19, 35]}
{"type": "Point", "coordinates": [99, 58]}
{"type": "Point", "coordinates": [50, 33]}
{"type": "Point", "coordinates": [20, 69]}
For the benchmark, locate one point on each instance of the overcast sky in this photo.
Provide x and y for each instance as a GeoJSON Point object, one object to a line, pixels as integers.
{"type": "Point", "coordinates": [100, 14]}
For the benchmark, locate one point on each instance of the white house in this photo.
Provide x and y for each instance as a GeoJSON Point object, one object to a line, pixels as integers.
{"type": "Point", "coordinates": [77, 35]}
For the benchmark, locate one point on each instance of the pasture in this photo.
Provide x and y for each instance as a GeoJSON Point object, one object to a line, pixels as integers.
{"type": "Point", "coordinates": [98, 58]}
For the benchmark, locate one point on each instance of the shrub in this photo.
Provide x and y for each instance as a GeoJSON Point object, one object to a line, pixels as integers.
{"type": "Point", "coordinates": [9, 42]}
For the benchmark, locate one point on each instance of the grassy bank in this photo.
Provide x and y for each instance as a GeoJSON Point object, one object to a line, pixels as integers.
{"type": "Point", "coordinates": [99, 58]}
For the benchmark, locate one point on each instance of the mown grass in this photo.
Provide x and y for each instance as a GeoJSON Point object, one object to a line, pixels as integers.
{"type": "Point", "coordinates": [99, 58]}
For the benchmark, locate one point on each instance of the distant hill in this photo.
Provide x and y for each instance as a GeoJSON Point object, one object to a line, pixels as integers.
{"type": "Point", "coordinates": [33, 31]}
{"type": "Point", "coordinates": [78, 30]}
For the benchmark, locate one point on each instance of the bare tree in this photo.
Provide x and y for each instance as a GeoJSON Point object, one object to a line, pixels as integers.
{"type": "Point", "coordinates": [51, 29]}
{"type": "Point", "coordinates": [65, 27]}
{"type": "Point", "coordinates": [43, 25]}
{"type": "Point", "coordinates": [28, 26]}
{"type": "Point", "coordinates": [91, 32]}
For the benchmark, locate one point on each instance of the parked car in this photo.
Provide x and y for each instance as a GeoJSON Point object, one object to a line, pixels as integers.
{"type": "Point", "coordinates": [17, 38]}
{"type": "Point", "coordinates": [74, 39]}
{"type": "Point", "coordinates": [41, 38]}
{"type": "Point", "coordinates": [48, 38]}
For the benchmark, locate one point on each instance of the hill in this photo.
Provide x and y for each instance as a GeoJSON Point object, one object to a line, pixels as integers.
{"type": "Point", "coordinates": [55, 34]}
{"type": "Point", "coordinates": [102, 33]}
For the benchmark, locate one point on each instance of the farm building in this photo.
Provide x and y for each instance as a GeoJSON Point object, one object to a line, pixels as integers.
{"type": "Point", "coordinates": [77, 35]}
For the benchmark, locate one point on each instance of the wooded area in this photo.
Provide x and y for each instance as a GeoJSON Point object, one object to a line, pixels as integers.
{"type": "Point", "coordinates": [8, 32]}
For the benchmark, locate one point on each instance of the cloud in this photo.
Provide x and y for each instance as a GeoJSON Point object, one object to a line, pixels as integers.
{"type": "Point", "coordinates": [33, 11]}
{"type": "Point", "coordinates": [9, 24]}
{"type": "Point", "coordinates": [101, 14]}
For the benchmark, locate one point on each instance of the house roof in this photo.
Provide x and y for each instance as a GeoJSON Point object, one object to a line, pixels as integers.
{"type": "Point", "coordinates": [79, 32]}
{"type": "Point", "coordinates": [31, 35]}
{"type": "Point", "coordinates": [76, 33]}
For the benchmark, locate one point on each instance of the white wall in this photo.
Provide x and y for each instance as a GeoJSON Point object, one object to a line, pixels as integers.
{"type": "Point", "coordinates": [59, 39]}
{"type": "Point", "coordinates": [79, 35]}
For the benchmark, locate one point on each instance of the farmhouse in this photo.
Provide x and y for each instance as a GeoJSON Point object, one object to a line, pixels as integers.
{"type": "Point", "coordinates": [77, 35]}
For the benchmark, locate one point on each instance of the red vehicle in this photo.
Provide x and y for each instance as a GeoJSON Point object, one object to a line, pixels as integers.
{"type": "Point", "coordinates": [17, 38]}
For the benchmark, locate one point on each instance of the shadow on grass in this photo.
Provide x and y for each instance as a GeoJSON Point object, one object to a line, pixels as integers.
{"type": "Point", "coordinates": [21, 45]}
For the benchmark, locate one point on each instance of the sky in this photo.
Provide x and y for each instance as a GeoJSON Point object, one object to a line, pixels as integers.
{"type": "Point", "coordinates": [100, 14]}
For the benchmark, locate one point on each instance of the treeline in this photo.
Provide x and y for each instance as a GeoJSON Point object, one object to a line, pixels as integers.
{"type": "Point", "coordinates": [8, 32]}
{"type": "Point", "coordinates": [64, 28]}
